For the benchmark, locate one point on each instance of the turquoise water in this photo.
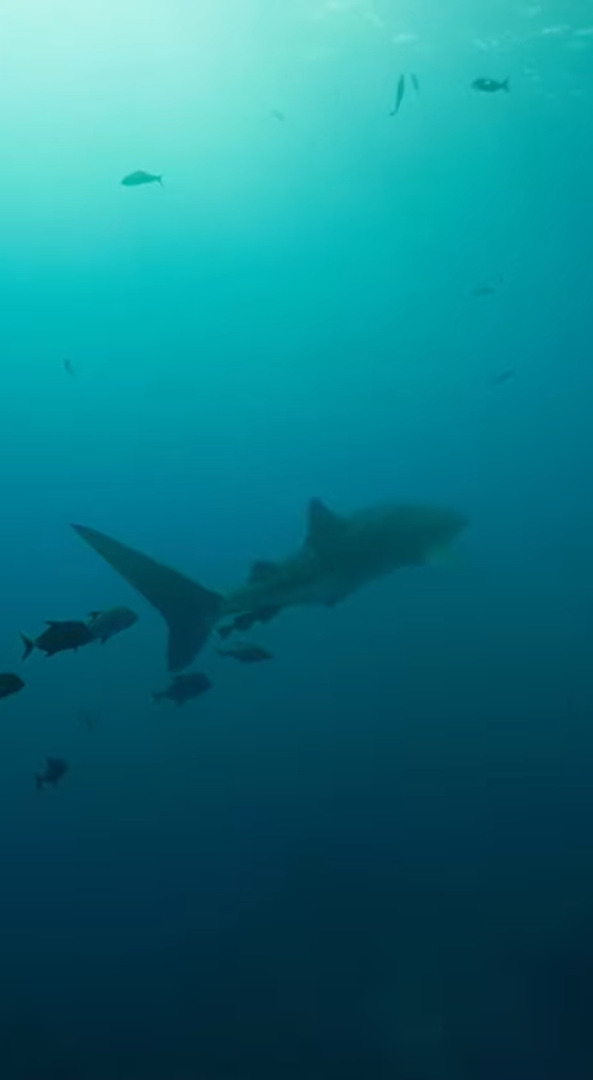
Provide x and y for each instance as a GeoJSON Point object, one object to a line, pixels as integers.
{"type": "Point", "coordinates": [370, 858]}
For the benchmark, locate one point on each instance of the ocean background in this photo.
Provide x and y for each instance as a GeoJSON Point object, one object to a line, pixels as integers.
{"type": "Point", "coordinates": [372, 858]}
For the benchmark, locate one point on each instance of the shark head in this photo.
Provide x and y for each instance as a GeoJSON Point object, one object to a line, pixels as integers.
{"type": "Point", "coordinates": [413, 533]}
{"type": "Point", "coordinates": [340, 554]}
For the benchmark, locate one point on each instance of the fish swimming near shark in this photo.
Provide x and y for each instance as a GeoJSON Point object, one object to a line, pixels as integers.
{"type": "Point", "coordinates": [59, 636]}
{"type": "Point", "coordinates": [136, 179]}
{"type": "Point", "coordinates": [339, 555]}
{"type": "Point", "coordinates": [104, 625]}
{"type": "Point", "coordinates": [55, 769]}
{"type": "Point", "coordinates": [399, 97]}
{"type": "Point", "coordinates": [184, 688]}
{"type": "Point", "coordinates": [246, 652]}
{"type": "Point", "coordinates": [10, 684]}
{"type": "Point", "coordinates": [491, 86]}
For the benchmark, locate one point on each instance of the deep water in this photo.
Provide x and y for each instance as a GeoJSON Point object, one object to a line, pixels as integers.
{"type": "Point", "coordinates": [372, 857]}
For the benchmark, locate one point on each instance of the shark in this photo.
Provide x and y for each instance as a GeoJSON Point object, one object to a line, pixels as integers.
{"type": "Point", "coordinates": [339, 555]}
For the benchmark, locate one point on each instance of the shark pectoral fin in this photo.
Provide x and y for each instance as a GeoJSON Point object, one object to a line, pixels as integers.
{"type": "Point", "coordinates": [189, 610]}
{"type": "Point", "coordinates": [324, 528]}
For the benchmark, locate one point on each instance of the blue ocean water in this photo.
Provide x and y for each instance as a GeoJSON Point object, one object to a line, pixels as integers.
{"type": "Point", "coordinates": [372, 857]}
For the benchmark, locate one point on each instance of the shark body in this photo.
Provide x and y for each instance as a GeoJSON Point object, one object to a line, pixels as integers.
{"type": "Point", "coordinates": [339, 555]}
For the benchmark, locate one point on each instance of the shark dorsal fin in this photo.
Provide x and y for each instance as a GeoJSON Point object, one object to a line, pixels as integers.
{"type": "Point", "coordinates": [324, 527]}
{"type": "Point", "coordinates": [261, 570]}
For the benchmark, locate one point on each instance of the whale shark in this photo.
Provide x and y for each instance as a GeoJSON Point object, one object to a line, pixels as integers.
{"type": "Point", "coordinates": [339, 555]}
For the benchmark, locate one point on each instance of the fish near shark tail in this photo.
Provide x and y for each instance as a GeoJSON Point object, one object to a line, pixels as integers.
{"type": "Point", "coordinates": [506, 84]}
{"type": "Point", "coordinates": [28, 646]}
{"type": "Point", "coordinates": [38, 782]}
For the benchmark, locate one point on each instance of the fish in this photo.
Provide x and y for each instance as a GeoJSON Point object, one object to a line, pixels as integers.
{"type": "Point", "coordinates": [59, 637]}
{"type": "Point", "coordinates": [184, 688]}
{"type": "Point", "coordinates": [245, 621]}
{"type": "Point", "coordinates": [246, 652]}
{"type": "Point", "coordinates": [339, 555]}
{"type": "Point", "coordinates": [89, 718]}
{"type": "Point", "coordinates": [277, 115]}
{"type": "Point", "coordinates": [135, 179]}
{"type": "Point", "coordinates": [10, 684]}
{"type": "Point", "coordinates": [415, 82]}
{"type": "Point", "coordinates": [503, 376]}
{"type": "Point", "coordinates": [69, 367]}
{"type": "Point", "coordinates": [483, 290]}
{"type": "Point", "coordinates": [55, 769]}
{"type": "Point", "coordinates": [401, 89]}
{"type": "Point", "coordinates": [491, 86]}
{"type": "Point", "coordinates": [106, 624]}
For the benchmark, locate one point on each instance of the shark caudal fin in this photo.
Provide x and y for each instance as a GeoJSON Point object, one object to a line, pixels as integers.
{"type": "Point", "coordinates": [189, 610]}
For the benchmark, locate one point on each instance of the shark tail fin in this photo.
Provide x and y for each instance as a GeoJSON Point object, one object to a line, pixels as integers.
{"type": "Point", "coordinates": [189, 610]}
{"type": "Point", "coordinates": [28, 646]}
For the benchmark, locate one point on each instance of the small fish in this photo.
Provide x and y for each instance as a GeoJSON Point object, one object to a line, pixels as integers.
{"type": "Point", "coordinates": [244, 622]}
{"type": "Point", "coordinates": [483, 290]}
{"type": "Point", "coordinates": [89, 718]}
{"type": "Point", "coordinates": [59, 637]}
{"type": "Point", "coordinates": [415, 82]}
{"type": "Point", "coordinates": [10, 684]}
{"type": "Point", "coordinates": [135, 179]}
{"type": "Point", "coordinates": [106, 624]}
{"type": "Point", "coordinates": [183, 688]}
{"type": "Point", "coordinates": [277, 115]}
{"type": "Point", "coordinates": [401, 89]}
{"type": "Point", "coordinates": [246, 652]}
{"type": "Point", "coordinates": [68, 366]}
{"type": "Point", "coordinates": [55, 769]}
{"type": "Point", "coordinates": [503, 376]}
{"type": "Point", "coordinates": [491, 86]}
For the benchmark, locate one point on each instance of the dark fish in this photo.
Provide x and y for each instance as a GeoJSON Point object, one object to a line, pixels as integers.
{"type": "Point", "coordinates": [415, 82]}
{"type": "Point", "coordinates": [135, 179]}
{"type": "Point", "coordinates": [59, 637]}
{"type": "Point", "coordinates": [245, 652]}
{"type": "Point", "coordinates": [503, 376]}
{"type": "Point", "coordinates": [89, 718]}
{"type": "Point", "coordinates": [401, 89]}
{"type": "Point", "coordinates": [277, 115]}
{"type": "Point", "coordinates": [483, 290]}
{"type": "Point", "coordinates": [244, 622]}
{"type": "Point", "coordinates": [55, 769]}
{"type": "Point", "coordinates": [10, 684]}
{"type": "Point", "coordinates": [106, 624]}
{"type": "Point", "coordinates": [69, 367]}
{"type": "Point", "coordinates": [490, 86]}
{"type": "Point", "coordinates": [183, 688]}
